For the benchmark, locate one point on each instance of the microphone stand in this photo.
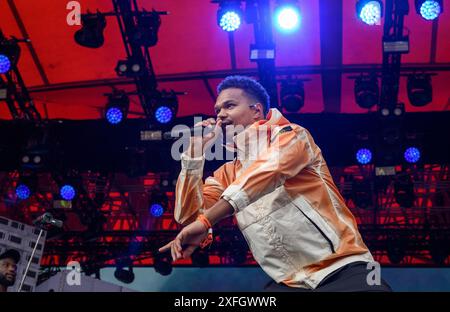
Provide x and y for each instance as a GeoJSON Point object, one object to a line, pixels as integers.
{"type": "Point", "coordinates": [41, 222]}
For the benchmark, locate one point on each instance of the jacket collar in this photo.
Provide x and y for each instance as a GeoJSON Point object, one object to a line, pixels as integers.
{"type": "Point", "coordinates": [241, 140]}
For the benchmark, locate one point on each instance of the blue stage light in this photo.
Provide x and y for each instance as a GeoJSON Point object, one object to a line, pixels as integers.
{"type": "Point", "coordinates": [67, 192]}
{"type": "Point", "coordinates": [429, 9]}
{"type": "Point", "coordinates": [229, 20]}
{"type": "Point", "coordinates": [114, 115]}
{"type": "Point", "coordinates": [369, 12]}
{"type": "Point", "coordinates": [287, 18]}
{"type": "Point", "coordinates": [364, 156]}
{"type": "Point", "coordinates": [163, 114]}
{"type": "Point", "coordinates": [5, 64]}
{"type": "Point", "coordinates": [23, 191]}
{"type": "Point", "coordinates": [156, 210]}
{"type": "Point", "coordinates": [412, 155]}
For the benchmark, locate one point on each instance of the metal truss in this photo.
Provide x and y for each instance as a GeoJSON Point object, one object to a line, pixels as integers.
{"type": "Point", "coordinates": [113, 221]}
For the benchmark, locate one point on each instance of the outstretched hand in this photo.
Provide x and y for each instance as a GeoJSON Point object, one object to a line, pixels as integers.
{"type": "Point", "coordinates": [186, 241]}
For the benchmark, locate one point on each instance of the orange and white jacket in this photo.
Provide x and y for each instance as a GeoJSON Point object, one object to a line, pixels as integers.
{"type": "Point", "coordinates": [286, 204]}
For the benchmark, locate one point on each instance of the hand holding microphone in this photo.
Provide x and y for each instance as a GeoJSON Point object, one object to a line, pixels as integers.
{"type": "Point", "coordinates": [199, 144]}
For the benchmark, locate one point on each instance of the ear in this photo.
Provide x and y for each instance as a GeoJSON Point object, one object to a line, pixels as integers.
{"type": "Point", "coordinates": [259, 111]}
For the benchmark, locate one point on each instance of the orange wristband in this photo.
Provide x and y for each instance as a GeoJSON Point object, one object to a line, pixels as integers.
{"type": "Point", "coordinates": [204, 220]}
{"type": "Point", "coordinates": [208, 239]}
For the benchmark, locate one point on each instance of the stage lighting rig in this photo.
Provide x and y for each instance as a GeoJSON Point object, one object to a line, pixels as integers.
{"type": "Point", "coordinates": [367, 92]}
{"type": "Point", "coordinates": [165, 106]}
{"type": "Point", "coordinates": [420, 91]}
{"type": "Point", "coordinates": [292, 95]}
{"type": "Point", "coordinates": [117, 107]}
{"type": "Point", "coordinates": [429, 9]}
{"type": "Point", "coordinates": [91, 33]}
{"type": "Point", "coordinates": [229, 15]}
{"type": "Point", "coordinates": [147, 27]}
{"type": "Point", "coordinates": [9, 53]}
{"type": "Point", "coordinates": [370, 12]}
{"type": "Point", "coordinates": [287, 16]}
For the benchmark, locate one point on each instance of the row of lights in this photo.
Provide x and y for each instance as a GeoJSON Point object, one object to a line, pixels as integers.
{"type": "Point", "coordinates": [371, 11]}
{"type": "Point", "coordinates": [157, 204]}
{"type": "Point", "coordinates": [146, 35]}
{"type": "Point", "coordinates": [286, 15]}
{"type": "Point", "coordinates": [164, 108]}
{"type": "Point", "coordinates": [90, 35]}
{"type": "Point", "coordinates": [411, 155]}
{"type": "Point", "coordinates": [23, 191]}
{"type": "Point", "coordinates": [366, 91]}
{"type": "Point", "coordinates": [418, 87]}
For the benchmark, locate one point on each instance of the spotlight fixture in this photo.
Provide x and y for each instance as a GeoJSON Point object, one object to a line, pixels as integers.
{"type": "Point", "coordinates": [117, 107]}
{"type": "Point", "coordinates": [36, 153]}
{"type": "Point", "coordinates": [370, 12]}
{"type": "Point", "coordinates": [69, 184]}
{"type": "Point", "coordinates": [420, 92]}
{"type": "Point", "coordinates": [396, 111]}
{"type": "Point", "coordinates": [162, 264]}
{"type": "Point", "coordinates": [165, 107]}
{"type": "Point", "coordinates": [5, 64]}
{"type": "Point", "coordinates": [9, 53]}
{"type": "Point", "coordinates": [292, 95]}
{"type": "Point", "coordinates": [158, 203]}
{"type": "Point", "coordinates": [130, 68]}
{"type": "Point", "coordinates": [67, 192]}
{"type": "Point", "coordinates": [33, 158]}
{"type": "Point", "coordinates": [23, 191]}
{"type": "Point", "coordinates": [229, 15]}
{"type": "Point", "coordinates": [91, 33]}
{"type": "Point", "coordinates": [429, 9]}
{"type": "Point", "coordinates": [287, 16]}
{"type": "Point", "coordinates": [412, 155]}
{"type": "Point", "coordinates": [124, 275]}
{"type": "Point", "coordinates": [367, 93]}
{"type": "Point", "coordinates": [146, 33]}
{"type": "Point", "coordinates": [26, 186]}
{"type": "Point", "coordinates": [364, 156]}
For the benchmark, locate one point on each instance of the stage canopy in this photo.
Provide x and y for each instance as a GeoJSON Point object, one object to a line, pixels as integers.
{"type": "Point", "coordinates": [68, 81]}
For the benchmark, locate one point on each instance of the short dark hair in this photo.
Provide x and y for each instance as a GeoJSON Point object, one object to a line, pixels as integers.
{"type": "Point", "coordinates": [250, 86]}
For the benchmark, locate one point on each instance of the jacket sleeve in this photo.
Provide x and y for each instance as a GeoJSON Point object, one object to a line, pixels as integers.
{"type": "Point", "coordinates": [286, 156]}
{"type": "Point", "coordinates": [192, 195]}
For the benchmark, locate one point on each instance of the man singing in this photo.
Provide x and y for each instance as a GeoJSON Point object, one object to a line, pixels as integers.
{"type": "Point", "coordinates": [281, 192]}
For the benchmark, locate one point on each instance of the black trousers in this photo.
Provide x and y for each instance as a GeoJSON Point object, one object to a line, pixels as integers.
{"type": "Point", "coordinates": [351, 278]}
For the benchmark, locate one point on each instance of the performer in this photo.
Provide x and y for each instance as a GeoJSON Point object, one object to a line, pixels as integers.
{"type": "Point", "coordinates": [8, 268]}
{"type": "Point", "coordinates": [282, 194]}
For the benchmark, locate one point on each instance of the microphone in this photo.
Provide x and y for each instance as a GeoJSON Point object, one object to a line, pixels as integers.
{"type": "Point", "coordinates": [47, 218]}
{"type": "Point", "coordinates": [193, 131]}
